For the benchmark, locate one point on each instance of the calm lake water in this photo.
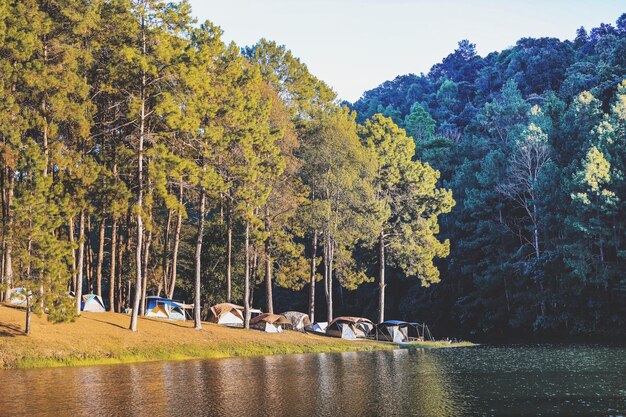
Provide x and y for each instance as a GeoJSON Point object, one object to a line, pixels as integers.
{"type": "Point", "coordinates": [538, 380]}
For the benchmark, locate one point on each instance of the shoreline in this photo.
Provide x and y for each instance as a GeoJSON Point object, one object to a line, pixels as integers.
{"type": "Point", "coordinates": [102, 339]}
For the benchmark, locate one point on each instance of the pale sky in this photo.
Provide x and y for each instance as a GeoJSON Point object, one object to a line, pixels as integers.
{"type": "Point", "coordinates": [354, 45]}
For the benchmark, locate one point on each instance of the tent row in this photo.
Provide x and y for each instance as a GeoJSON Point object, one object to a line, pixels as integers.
{"type": "Point", "coordinates": [345, 327]}
{"type": "Point", "coordinates": [391, 330]}
{"type": "Point", "coordinates": [90, 302]}
{"type": "Point", "coordinates": [228, 314]}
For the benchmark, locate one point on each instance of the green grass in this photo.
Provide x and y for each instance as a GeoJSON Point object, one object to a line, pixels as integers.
{"type": "Point", "coordinates": [103, 338]}
{"type": "Point", "coordinates": [186, 352]}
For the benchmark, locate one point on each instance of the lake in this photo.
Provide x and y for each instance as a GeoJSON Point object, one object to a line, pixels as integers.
{"type": "Point", "coordinates": [515, 380]}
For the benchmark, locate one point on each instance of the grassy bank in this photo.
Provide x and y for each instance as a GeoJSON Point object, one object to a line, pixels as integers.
{"type": "Point", "coordinates": [103, 338]}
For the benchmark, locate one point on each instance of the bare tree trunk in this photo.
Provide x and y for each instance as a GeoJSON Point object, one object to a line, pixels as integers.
{"type": "Point", "coordinates": [71, 233]}
{"type": "Point", "coordinates": [164, 285]}
{"type": "Point", "coordinates": [146, 259]}
{"type": "Point", "coordinates": [89, 257]}
{"type": "Point", "coordinates": [8, 252]}
{"type": "Point", "coordinates": [27, 326]}
{"type": "Point", "coordinates": [142, 126]}
{"type": "Point", "coordinates": [81, 259]}
{"type": "Point", "coordinates": [246, 285]}
{"type": "Point", "coordinates": [542, 304]}
{"type": "Point", "coordinates": [328, 277]}
{"type": "Point", "coordinates": [142, 129]}
{"type": "Point", "coordinates": [381, 277]}
{"type": "Point", "coordinates": [4, 219]}
{"type": "Point", "coordinates": [112, 274]}
{"type": "Point", "coordinates": [44, 112]}
{"type": "Point", "coordinates": [100, 258]}
{"type": "Point", "coordinates": [330, 280]}
{"type": "Point", "coordinates": [198, 266]}
{"type": "Point", "coordinates": [123, 240]}
{"type": "Point", "coordinates": [229, 255]}
{"type": "Point", "coordinates": [313, 277]}
{"type": "Point", "coordinates": [253, 272]}
{"type": "Point", "coordinates": [269, 302]}
{"type": "Point", "coordinates": [179, 223]}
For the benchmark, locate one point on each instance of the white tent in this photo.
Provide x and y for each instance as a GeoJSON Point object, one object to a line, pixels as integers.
{"type": "Point", "coordinates": [93, 303]}
{"type": "Point", "coordinates": [349, 327]}
{"type": "Point", "coordinates": [319, 326]}
{"type": "Point", "coordinates": [228, 314]}
{"type": "Point", "coordinates": [269, 323]}
{"type": "Point", "coordinates": [17, 296]}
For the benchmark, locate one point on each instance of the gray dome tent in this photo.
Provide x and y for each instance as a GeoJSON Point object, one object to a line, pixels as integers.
{"type": "Point", "coordinates": [299, 321]}
{"type": "Point", "coordinates": [349, 327]}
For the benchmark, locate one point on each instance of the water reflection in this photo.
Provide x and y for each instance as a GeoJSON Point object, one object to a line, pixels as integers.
{"type": "Point", "coordinates": [474, 381]}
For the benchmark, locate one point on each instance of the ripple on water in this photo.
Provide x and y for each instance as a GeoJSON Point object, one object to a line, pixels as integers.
{"type": "Point", "coordinates": [508, 380]}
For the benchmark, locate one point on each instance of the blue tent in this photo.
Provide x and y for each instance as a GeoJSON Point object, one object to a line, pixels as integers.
{"type": "Point", "coordinates": [399, 331]}
{"type": "Point", "coordinates": [166, 308]}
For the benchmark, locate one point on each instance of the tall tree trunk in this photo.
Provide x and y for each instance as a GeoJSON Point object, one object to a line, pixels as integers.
{"type": "Point", "coordinates": [269, 302]}
{"type": "Point", "coordinates": [81, 260]}
{"type": "Point", "coordinates": [123, 246]}
{"type": "Point", "coordinates": [253, 272]}
{"type": "Point", "coordinates": [144, 285]}
{"type": "Point", "coordinates": [113, 260]}
{"type": "Point", "coordinates": [89, 257]}
{"type": "Point", "coordinates": [381, 277]}
{"type": "Point", "coordinates": [246, 285]}
{"type": "Point", "coordinates": [71, 236]}
{"type": "Point", "coordinates": [542, 304]}
{"type": "Point", "coordinates": [198, 265]}
{"type": "Point", "coordinates": [330, 280]}
{"type": "Point", "coordinates": [179, 223]}
{"type": "Point", "coordinates": [28, 308]}
{"type": "Point", "coordinates": [4, 218]}
{"type": "Point", "coordinates": [328, 277]}
{"type": "Point", "coordinates": [100, 257]}
{"type": "Point", "coordinates": [313, 277]}
{"type": "Point", "coordinates": [146, 260]}
{"type": "Point", "coordinates": [8, 251]}
{"type": "Point", "coordinates": [142, 127]}
{"type": "Point", "coordinates": [229, 254]}
{"type": "Point", "coordinates": [44, 110]}
{"type": "Point", "coordinates": [165, 259]}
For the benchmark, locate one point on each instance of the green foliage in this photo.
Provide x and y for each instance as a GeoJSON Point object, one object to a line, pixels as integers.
{"type": "Point", "coordinates": [531, 141]}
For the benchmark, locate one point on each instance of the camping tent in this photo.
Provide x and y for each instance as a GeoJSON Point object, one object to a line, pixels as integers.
{"type": "Point", "coordinates": [349, 327]}
{"type": "Point", "coordinates": [166, 309]}
{"type": "Point", "coordinates": [17, 296]}
{"type": "Point", "coordinates": [393, 331]}
{"type": "Point", "coordinates": [92, 303]}
{"type": "Point", "coordinates": [229, 314]}
{"type": "Point", "coordinates": [319, 327]}
{"type": "Point", "coordinates": [270, 323]}
{"type": "Point", "coordinates": [299, 321]}
{"type": "Point", "coordinates": [401, 331]}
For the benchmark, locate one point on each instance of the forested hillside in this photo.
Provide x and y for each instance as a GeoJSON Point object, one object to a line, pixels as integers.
{"type": "Point", "coordinates": [531, 141]}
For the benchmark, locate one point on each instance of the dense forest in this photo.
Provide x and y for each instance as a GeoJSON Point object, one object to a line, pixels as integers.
{"type": "Point", "coordinates": [531, 141]}
{"type": "Point", "coordinates": [142, 155]}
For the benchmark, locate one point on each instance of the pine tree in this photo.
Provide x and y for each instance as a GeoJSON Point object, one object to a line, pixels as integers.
{"type": "Point", "coordinates": [410, 204]}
